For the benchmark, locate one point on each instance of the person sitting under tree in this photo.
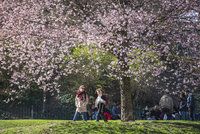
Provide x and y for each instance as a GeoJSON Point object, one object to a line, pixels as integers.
{"type": "Point", "coordinates": [166, 104]}
{"type": "Point", "coordinates": [116, 111]}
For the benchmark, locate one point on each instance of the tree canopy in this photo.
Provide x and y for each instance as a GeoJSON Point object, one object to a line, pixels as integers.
{"type": "Point", "coordinates": [140, 36]}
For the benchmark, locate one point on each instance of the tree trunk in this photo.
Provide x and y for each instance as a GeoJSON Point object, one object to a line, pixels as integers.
{"type": "Point", "coordinates": [126, 100]}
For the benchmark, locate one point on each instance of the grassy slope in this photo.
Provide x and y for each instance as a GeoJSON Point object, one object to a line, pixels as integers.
{"type": "Point", "coordinates": [91, 127]}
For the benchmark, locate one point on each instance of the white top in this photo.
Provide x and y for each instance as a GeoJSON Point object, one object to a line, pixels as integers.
{"type": "Point", "coordinates": [99, 100]}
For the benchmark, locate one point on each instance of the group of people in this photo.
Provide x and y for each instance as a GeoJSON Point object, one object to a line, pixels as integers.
{"type": "Point", "coordinates": [98, 110]}
{"type": "Point", "coordinates": [166, 109]}
{"type": "Point", "coordinates": [187, 105]}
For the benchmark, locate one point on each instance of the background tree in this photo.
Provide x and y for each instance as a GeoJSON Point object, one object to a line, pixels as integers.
{"type": "Point", "coordinates": [157, 26]}
{"type": "Point", "coordinates": [37, 36]}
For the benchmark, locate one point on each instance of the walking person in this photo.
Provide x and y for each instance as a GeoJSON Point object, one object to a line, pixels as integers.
{"type": "Point", "coordinates": [190, 104]}
{"type": "Point", "coordinates": [100, 104]}
{"type": "Point", "coordinates": [183, 106]}
{"type": "Point", "coordinates": [81, 102]}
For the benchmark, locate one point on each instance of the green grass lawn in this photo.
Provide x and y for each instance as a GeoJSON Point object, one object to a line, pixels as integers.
{"type": "Point", "coordinates": [92, 127]}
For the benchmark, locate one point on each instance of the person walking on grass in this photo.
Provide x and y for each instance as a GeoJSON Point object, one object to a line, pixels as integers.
{"type": "Point", "coordinates": [183, 106]}
{"type": "Point", "coordinates": [190, 104]}
{"type": "Point", "coordinates": [100, 104]}
{"type": "Point", "coordinates": [81, 102]}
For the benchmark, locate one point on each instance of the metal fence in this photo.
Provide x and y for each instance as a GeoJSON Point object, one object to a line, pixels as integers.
{"type": "Point", "coordinates": [35, 112]}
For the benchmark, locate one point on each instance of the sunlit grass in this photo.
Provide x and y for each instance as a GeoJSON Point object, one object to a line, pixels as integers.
{"type": "Point", "coordinates": [91, 127]}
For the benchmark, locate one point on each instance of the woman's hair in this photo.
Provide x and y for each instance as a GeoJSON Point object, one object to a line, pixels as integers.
{"type": "Point", "coordinates": [182, 95]}
{"type": "Point", "coordinates": [99, 89]}
{"type": "Point", "coordinates": [81, 95]}
{"type": "Point", "coordinates": [104, 97]}
{"type": "Point", "coordinates": [81, 86]}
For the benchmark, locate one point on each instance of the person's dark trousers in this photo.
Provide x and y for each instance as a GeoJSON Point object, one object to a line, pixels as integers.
{"type": "Point", "coordinates": [191, 113]}
{"type": "Point", "coordinates": [167, 112]}
{"type": "Point", "coordinates": [88, 116]}
{"type": "Point", "coordinates": [183, 115]}
{"type": "Point", "coordinates": [116, 117]}
{"type": "Point", "coordinates": [100, 115]}
{"type": "Point", "coordinates": [100, 111]}
{"type": "Point", "coordinates": [83, 114]}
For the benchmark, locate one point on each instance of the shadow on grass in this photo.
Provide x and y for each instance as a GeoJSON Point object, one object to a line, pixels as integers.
{"type": "Point", "coordinates": [185, 124]}
{"type": "Point", "coordinates": [152, 127]}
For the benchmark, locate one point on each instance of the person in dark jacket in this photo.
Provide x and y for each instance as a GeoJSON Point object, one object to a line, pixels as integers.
{"type": "Point", "coordinates": [116, 111]}
{"type": "Point", "coordinates": [183, 106]}
{"type": "Point", "coordinates": [100, 104]}
{"type": "Point", "coordinates": [155, 113]}
{"type": "Point", "coordinates": [190, 105]}
{"type": "Point", "coordinates": [145, 113]}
